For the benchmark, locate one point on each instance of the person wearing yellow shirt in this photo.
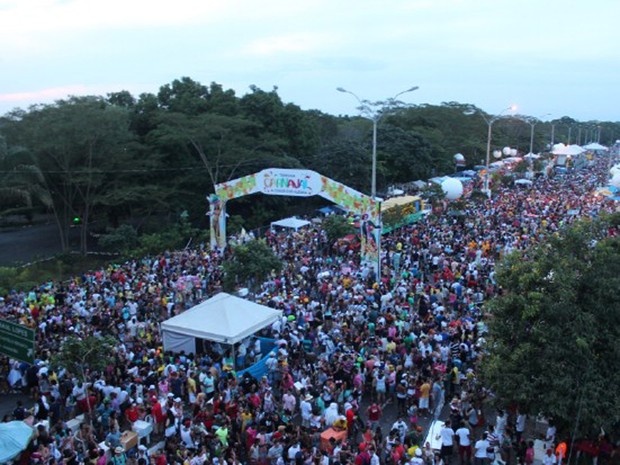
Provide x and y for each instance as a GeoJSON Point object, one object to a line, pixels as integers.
{"type": "Point", "coordinates": [191, 388]}
{"type": "Point", "coordinates": [423, 403]}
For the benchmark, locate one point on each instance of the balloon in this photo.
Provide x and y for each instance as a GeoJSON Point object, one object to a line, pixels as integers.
{"type": "Point", "coordinates": [453, 188]}
{"type": "Point", "coordinates": [497, 153]}
{"type": "Point", "coordinates": [459, 157]}
{"type": "Point", "coordinates": [506, 150]}
{"type": "Point", "coordinates": [513, 152]}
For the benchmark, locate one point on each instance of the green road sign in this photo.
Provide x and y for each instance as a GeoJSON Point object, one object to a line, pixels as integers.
{"type": "Point", "coordinates": [17, 341]}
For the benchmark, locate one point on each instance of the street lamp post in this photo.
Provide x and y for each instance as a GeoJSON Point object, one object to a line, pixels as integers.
{"type": "Point", "coordinates": [373, 111]}
{"type": "Point", "coordinates": [532, 122]}
{"type": "Point", "coordinates": [489, 135]}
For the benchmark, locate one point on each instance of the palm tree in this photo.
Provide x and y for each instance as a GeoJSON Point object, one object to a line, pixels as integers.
{"type": "Point", "coordinates": [21, 182]}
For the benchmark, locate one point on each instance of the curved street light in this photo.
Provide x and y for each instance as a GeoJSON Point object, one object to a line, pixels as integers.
{"type": "Point", "coordinates": [490, 122]}
{"type": "Point", "coordinates": [532, 121]}
{"type": "Point", "coordinates": [374, 111]}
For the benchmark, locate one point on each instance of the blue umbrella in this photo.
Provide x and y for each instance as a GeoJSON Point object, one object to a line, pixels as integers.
{"type": "Point", "coordinates": [14, 438]}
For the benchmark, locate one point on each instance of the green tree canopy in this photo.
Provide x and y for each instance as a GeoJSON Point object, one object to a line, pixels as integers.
{"type": "Point", "coordinates": [336, 227]}
{"type": "Point", "coordinates": [554, 329]}
{"type": "Point", "coordinates": [79, 356]}
{"type": "Point", "coordinates": [249, 264]}
{"type": "Point", "coordinates": [79, 146]}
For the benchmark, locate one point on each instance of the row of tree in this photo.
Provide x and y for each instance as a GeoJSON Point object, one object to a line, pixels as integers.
{"type": "Point", "coordinates": [100, 162]}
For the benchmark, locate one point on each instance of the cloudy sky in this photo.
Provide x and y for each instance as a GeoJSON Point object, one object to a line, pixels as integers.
{"type": "Point", "coordinates": [558, 57]}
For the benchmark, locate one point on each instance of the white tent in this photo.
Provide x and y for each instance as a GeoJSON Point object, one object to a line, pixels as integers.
{"type": "Point", "coordinates": [291, 223]}
{"type": "Point", "coordinates": [14, 438]}
{"type": "Point", "coordinates": [222, 318]}
{"type": "Point", "coordinates": [595, 146]}
{"type": "Point", "coordinates": [561, 149]}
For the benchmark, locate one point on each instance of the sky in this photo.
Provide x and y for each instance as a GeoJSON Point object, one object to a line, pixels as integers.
{"type": "Point", "coordinates": [551, 58]}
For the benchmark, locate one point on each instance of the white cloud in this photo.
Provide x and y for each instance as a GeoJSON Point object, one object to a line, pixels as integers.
{"type": "Point", "coordinates": [479, 51]}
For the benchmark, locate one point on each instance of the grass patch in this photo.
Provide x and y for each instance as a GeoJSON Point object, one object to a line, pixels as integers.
{"type": "Point", "coordinates": [57, 269]}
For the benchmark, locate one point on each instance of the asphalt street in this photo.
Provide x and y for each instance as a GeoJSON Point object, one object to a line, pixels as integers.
{"type": "Point", "coordinates": [28, 243]}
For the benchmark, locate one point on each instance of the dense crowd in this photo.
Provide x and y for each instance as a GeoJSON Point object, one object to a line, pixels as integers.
{"type": "Point", "coordinates": [374, 360]}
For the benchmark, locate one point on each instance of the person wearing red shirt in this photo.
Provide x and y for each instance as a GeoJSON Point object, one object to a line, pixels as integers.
{"type": "Point", "coordinates": [363, 457]}
{"type": "Point", "coordinates": [398, 450]}
{"type": "Point", "coordinates": [350, 414]}
{"type": "Point", "coordinates": [374, 415]}
{"type": "Point", "coordinates": [160, 458]}
{"type": "Point", "coordinates": [158, 415]}
{"type": "Point", "coordinates": [132, 413]}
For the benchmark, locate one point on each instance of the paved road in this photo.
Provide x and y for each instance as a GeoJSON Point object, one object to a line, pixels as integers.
{"type": "Point", "coordinates": [26, 244]}
{"type": "Point", "coordinates": [8, 402]}
{"type": "Point", "coordinates": [29, 243]}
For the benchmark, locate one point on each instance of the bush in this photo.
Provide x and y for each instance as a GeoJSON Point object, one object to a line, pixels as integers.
{"type": "Point", "coordinates": [478, 195]}
{"type": "Point", "coordinates": [122, 239]}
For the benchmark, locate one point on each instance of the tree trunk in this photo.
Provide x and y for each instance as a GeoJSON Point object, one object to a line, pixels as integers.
{"type": "Point", "coordinates": [61, 230]}
{"type": "Point", "coordinates": [84, 233]}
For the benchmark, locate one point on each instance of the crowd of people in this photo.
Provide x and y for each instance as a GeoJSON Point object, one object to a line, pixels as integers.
{"type": "Point", "coordinates": [375, 360]}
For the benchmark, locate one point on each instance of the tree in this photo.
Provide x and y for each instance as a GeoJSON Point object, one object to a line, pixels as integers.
{"type": "Point", "coordinates": [21, 182]}
{"type": "Point", "coordinates": [405, 156]}
{"type": "Point", "coordinates": [250, 263]}
{"type": "Point", "coordinates": [554, 330]}
{"type": "Point", "coordinates": [223, 144]}
{"type": "Point", "coordinates": [79, 145]}
{"type": "Point", "coordinates": [346, 161]}
{"type": "Point", "coordinates": [82, 356]}
{"type": "Point", "coordinates": [433, 193]}
{"type": "Point", "coordinates": [336, 227]}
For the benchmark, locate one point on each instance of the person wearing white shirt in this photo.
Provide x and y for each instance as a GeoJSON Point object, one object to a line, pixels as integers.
{"type": "Point", "coordinates": [306, 410]}
{"type": "Point", "coordinates": [463, 435]}
{"type": "Point", "coordinates": [549, 458]}
{"type": "Point", "coordinates": [417, 458]}
{"type": "Point", "coordinates": [374, 458]}
{"type": "Point", "coordinates": [446, 434]}
{"type": "Point", "coordinates": [480, 450]}
{"type": "Point", "coordinates": [186, 437]}
{"type": "Point", "coordinates": [292, 451]}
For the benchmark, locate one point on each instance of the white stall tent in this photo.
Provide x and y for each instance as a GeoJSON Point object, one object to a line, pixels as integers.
{"type": "Point", "coordinates": [14, 438]}
{"type": "Point", "coordinates": [223, 318]}
{"type": "Point", "coordinates": [290, 223]}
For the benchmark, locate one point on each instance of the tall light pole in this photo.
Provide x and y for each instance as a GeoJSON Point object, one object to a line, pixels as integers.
{"type": "Point", "coordinates": [374, 111]}
{"type": "Point", "coordinates": [489, 134]}
{"type": "Point", "coordinates": [532, 122]}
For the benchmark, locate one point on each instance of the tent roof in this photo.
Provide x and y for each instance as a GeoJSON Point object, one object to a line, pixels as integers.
{"type": "Point", "coordinates": [222, 318]}
{"type": "Point", "coordinates": [292, 222]}
{"type": "Point", "coordinates": [14, 438]}
{"type": "Point", "coordinates": [594, 146]}
{"type": "Point", "coordinates": [561, 149]}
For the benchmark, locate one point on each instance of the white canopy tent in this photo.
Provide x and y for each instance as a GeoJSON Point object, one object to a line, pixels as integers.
{"type": "Point", "coordinates": [291, 223]}
{"type": "Point", "coordinates": [561, 149]}
{"type": "Point", "coordinates": [223, 318]}
{"type": "Point", "coordinates": [595, 146]}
